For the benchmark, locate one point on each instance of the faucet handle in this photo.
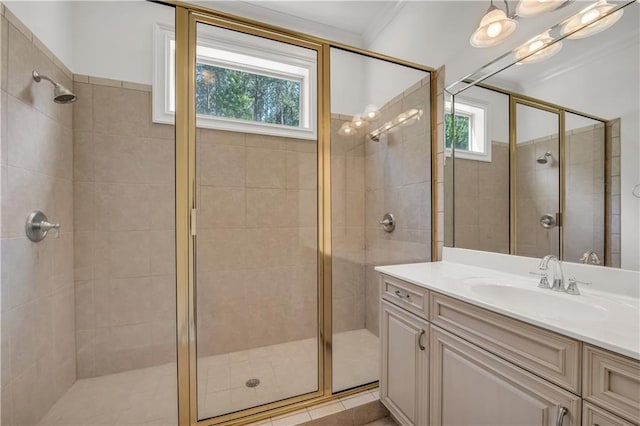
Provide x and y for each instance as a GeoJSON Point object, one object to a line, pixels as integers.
{"type": "Point", "coordinates": [544, 281]}
{"type": "Point", "coordinates": [572, 287]}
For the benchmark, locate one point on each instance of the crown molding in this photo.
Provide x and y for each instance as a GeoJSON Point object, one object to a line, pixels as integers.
{"type": "Point", "coordinates": [261, 13]}
{"type": "Point", "coordinates": [380, 22]}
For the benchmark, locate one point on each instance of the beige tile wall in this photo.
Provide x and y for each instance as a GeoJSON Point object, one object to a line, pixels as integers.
{"type": "Point", "coordinates": [538, 192]}
{"type": "Point", "coordinates": [398, 180]}
{"type": "Point", "coordinates": [38, 340]}
{"type": "Point", "coordinates": [124, 229]}
{"type": "Point", "coordinates": [347, 213]}
{"type": "Point", "coordinates": [585, 192]}
{"type": "Point", "coordinates": [257, 241]}
{"type": "Point", "coordinates": [481, 200]}
{"type": "Point", "coordinates": [612, 193]}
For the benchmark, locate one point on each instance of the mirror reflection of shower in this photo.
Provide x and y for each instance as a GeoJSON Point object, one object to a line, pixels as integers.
{"type": "Point", "coordinates": [543, 158]}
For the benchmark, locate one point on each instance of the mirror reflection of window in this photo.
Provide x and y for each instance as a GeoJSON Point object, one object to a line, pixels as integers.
{"type": "Point", "coordinates": [479, 133]}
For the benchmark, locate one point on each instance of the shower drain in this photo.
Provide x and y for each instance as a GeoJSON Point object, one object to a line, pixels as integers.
{"type": "Point", "coordinates": [252, 383]}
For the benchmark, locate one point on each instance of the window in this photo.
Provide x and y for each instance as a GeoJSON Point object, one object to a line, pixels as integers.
{"type": "Point", "coordinates": [467, 130]}
{"type": "Point", "coordinates": [243, 83]}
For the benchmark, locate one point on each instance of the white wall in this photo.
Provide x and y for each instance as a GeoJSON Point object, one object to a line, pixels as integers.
{"type": "Point", "coordinates": [497, 109]}
{"type": "Point", "coordinates": [115, 39]}
{"type": "Point", "coordinates": [347, 82]}
{"type": "Point", "coordinates": [533, 123]}
{"type": "Point", "coordinates": [384, 80]}
{"type": "Point", "coordinates": [51, 22]}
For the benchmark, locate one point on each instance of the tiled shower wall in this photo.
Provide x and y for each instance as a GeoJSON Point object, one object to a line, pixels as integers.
{"type": "Point", "coordinates": [347, 234]}
{"type": "Point", "coordinates": [398, 180]}
{"type": "Point", "coordinates": [38, 340]}
{"type": "Point", "coordinates": [585, 192]}
{"type": "Point", "coordinates": [481, 200]}
{"type": "Point", "coordinates": [538, 193]}
{"type": "Point", "coordinates": [124, 229]}
{"type": "Point", "coordinates": [612, 191]}
{"type": "Point", "coordinates": [257, 240]}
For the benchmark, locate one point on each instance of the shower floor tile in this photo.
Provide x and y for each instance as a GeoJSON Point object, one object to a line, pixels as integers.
{"type": "Point", "coordinates": [148, 396]}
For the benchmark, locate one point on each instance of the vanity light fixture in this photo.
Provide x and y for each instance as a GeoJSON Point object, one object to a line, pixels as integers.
{"type": "Point", "coordinates": [594, 13]}
{"type": "Point", "coordinates": [346, 129]}
{"type": "Point", "coordinates": [403, 119]}
{"type": "Point", "coordinates": [537, 49]}
{"type": "Point", "coordinates": [495, 26]}
{"type": "Point", "coordinates": [528, 8]}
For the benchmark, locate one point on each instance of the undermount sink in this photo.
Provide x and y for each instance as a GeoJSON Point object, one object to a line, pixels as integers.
{"type": "Point", "coordinates": [546, 304]}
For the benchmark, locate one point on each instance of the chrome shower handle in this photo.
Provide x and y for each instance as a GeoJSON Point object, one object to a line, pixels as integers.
{"type": "Point", "coordinates": [48, 226]}
{"type": "Point", "coordinates": [38, 226]}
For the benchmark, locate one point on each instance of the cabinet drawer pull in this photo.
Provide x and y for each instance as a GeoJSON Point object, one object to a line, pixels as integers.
{"type": "Point", "coordinates": [561, 413]}
{"type": "Point", "coordinates": [420, 345]}
{"type": "Point", "coordinates": [402, 295]}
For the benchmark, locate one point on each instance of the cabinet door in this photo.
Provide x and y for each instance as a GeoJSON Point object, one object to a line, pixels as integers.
{"type": "Point", "coordinates": [404, 380]}
{"type": "Point", "coordinates": [470, 386]}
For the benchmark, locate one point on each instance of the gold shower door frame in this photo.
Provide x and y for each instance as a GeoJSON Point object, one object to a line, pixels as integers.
{"type": "Point", "coordinates": [187, 18]}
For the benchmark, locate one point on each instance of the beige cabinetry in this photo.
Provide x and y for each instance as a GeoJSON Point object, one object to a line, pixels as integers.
{"type": "Point", "coordinates": [483, 368]}
{"type": "Point", "coordinates": [612, 381]}
{"type": "Point", "coordinates": [595, 416]}
{"type": "Point", "coordinates": [470, 386]}
{"type": "Point", "coordinates": [404, 384]}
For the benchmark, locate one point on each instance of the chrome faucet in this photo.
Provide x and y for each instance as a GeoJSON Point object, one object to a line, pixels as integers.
{"type": "Point", "coordinates": [590, 256]}
{"type": "Point", "coordinates": [558, 274]}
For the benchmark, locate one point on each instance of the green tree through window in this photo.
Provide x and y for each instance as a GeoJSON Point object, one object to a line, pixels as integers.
{"type": "Point", "coordinates": [228, 93]}
{"type": "Point", "coordinates": [457, 130]}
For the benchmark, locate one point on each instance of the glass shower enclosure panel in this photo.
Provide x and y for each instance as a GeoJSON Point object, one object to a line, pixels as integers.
{"type": "Point", "coordinates": [584, 188]}
{"type": "Point", "coordinates": [537, 173]}
{"type": "Point", "coordinates": [256, 275]}
{"type": "Point", "coordinates": [380, 172]}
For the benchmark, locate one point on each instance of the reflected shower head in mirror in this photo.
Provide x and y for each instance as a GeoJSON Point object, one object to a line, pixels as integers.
{"type": "Point", "coordinates": [61, 95]}
{"type": "Point", "coordinates": [543, 158]}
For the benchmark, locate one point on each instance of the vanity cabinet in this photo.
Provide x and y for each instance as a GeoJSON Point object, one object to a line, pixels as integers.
{"type": "Point", "coordinates": [405, 364]}
{"type": "Point", "coordinates": [470, 386]}
{"type": "Point", "coordinates": [595, 416]}
{"type": "Point", "coordinates": [612, 381]}
{"type": "Point", "coordinates": [483, 368]}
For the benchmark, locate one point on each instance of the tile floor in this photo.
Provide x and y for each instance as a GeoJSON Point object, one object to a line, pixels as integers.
{"type": "Point", "coordinates": [148, 396]}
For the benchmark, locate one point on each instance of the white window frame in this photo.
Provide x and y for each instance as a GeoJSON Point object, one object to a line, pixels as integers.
{"type": "Point", "coordinates": [479, 129]}
{"type": "Point", "coordinates": [241, 52]}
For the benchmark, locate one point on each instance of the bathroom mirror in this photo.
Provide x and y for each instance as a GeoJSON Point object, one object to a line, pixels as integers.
{"type": "Point", "coordinates": [588, 93]}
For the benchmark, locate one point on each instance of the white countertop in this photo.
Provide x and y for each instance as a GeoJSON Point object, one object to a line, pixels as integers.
{"type": "Point", "coordinates": [606, 319]}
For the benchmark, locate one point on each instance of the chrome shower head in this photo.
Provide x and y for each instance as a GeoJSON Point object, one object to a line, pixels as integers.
{"type": "Point", "coordinates": [543, 158]}
{"type": "Point", "coordinates": [61, 95]}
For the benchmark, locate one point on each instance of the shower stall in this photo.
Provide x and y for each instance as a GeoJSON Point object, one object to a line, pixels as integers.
{"type": "Point", "coordinates": [221, 201]}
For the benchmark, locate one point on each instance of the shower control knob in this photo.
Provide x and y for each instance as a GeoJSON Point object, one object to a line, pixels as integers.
{"type": "Point", "coordinates": [388, 222]}
{"type": "Point", "coordinates": [38, 226]}
{"type": "Point", "coordinates": [548, 221]}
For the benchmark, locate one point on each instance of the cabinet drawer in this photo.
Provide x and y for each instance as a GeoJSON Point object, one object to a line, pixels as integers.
{"type": "Point", "coordinates": [595, 416]}
{"type": "Point", "coordinates": [547, 354]}
{"type": "Point", "coordinates": [408, 296]}
{"type": "Point", "coordinates": [470, 386]}
{"type": "Point", "coordinates": [612, 382]}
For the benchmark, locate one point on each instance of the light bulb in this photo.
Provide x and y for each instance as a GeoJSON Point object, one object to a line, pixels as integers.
{"type": "Point", "coordinates": [590, 16]}
{"type": "Point", "coordinates": [357, 121]}
{"type": "Point", "coordinates": [535, 46]}
{"type": "Point", "coordinates": [494, 29]}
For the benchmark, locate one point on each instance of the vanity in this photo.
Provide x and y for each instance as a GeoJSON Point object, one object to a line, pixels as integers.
{"type": "Point", "coordinates": [472, 340]}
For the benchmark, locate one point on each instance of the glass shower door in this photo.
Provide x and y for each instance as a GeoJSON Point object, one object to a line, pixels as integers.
{"type": "Point", "coordinates": [537, 174]}
{"type": "Point", "coordinates": [256, 252]}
